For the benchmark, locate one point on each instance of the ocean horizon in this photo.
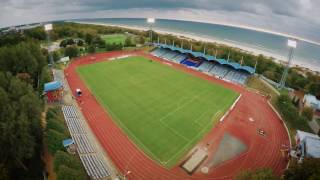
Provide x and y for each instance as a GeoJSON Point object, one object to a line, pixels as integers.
{"type": "Point", "coordinates": [306, 54]}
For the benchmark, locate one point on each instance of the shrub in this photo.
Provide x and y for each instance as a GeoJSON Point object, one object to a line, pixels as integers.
{"type": "Point", "coordinates": [63, 158]}
{"type": "Point", "coordinates": [309, 169]}
{"type": "Point", "coordinates": [66, 173]}
{"type": "Point", "coordinates": [259, 174]}
{"type": "Point", "coordinates": [57, 125]}
{"type": "Point", "coordinates": [291, 114]}
{"type": "Point", "coordinates": [71, 51]}
{"type": "Point", "coordinates": [53, 112]}
{"type": "Point", "coordinates": [54, 141]}
{"type": "Point", "coordinates": [307, 113]}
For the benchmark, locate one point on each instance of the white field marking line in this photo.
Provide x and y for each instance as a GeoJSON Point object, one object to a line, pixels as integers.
{"type": "Point", "coordinates": [175, 110]}
{"type": "Point", "coordinates": [124, 126]}
{"type": "Point", "coordinates": [213, 118]}
{"type": "Point", "coordinates": [174, 131]}
{"type": "Point", "coordinates": [180, 106]}
{"type": "Point", "coordinates": [202, 114]}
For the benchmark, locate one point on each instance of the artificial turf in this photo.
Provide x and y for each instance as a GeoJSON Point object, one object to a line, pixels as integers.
{"type": "Point", "coordinates": [114, 38]}
{"type": "Point", "coordinates": [163, 110]}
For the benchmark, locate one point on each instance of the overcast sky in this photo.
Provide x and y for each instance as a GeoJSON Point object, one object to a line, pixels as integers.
{"type": "Point", "coordinates": [295, 17]}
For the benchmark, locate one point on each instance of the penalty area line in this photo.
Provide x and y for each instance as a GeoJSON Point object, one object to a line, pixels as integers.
{"type": "Point", "coordinates": [201, 132]}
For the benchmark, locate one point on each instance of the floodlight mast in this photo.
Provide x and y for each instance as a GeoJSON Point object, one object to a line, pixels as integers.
{"type": "Point", "coordinates": [292, 44]}
{"type": "Point", "coordinates": [48, 28]}
{"type": "Point", "coordinates": [150, 21]}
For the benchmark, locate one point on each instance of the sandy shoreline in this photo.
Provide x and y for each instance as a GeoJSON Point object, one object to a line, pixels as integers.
{"type": "Point", "coordinates": [278, 58]}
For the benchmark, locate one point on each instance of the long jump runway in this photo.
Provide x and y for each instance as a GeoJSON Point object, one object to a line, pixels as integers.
{"type": "Point", "coordinates": [250, 114]}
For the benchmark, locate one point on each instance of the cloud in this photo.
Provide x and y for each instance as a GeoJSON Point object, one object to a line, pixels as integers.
{"type": "Point", "coordinates": [296, 17]}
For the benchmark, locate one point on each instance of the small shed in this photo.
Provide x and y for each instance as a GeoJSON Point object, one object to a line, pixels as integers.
{"type": "Point", "coordinates": [53, 91]}
{"type": "Point", "coordinates": [69, 145]}
{"type": "Point", "coordinates": [311, 101]}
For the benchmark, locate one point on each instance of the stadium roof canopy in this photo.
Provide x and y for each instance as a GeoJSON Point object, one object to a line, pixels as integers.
{"type": "Point", "coordinates": [234, 65]}
{"type": "Point", "coordinates": [51, 86]}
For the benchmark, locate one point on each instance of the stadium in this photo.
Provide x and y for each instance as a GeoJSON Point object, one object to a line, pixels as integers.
{"type": "Point", "coordinates": [172, 113]}
{"type": "Point", "coordinates": [159, 90]}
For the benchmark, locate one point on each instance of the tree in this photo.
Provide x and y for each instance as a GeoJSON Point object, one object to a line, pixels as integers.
{"type": "Point", "coordinates": [308, 113]}
{"type": "Point", "coordinates": [315, 89]}
{"type": "Point", "coordinates": [88, 38]}
{"type": "Point", "coordinates": [80, 42]}
{"type": "Point", "coordinates": [66, 173]}
{"type": "Point", "coordinates": [99, 42]}
{"type": "Point", "coordinates": [63, 158]}
{"type": "Point", "coordinates": [20, 132]}
{"type": "Point", "coordinates": [71, 51]}
{"type": "Point", "coordinates": [141, 40]}
{"type": "Point", "coordinates": [25, 57]}
{"type": "Point", "coordinates": [55, 56]}
{"type": "Point", "coordinates": [67, 42]}
{"type": "Point", "coordinates": [290, 113]}
{"type": "Point", "coordinates": [128, 42]}
{"type": "Point", "coordinates": [3, 172]}
{"type": "Point", "coordinates": [36, 33]}
{"type": "Point", "coordinates": [68, 166]}
{"type": "Point", "coordinates": [259, 174]}
{"type": "Point", "coordinates": [91, 49]}
{"type": "Point", "coordinates": [55, 139]}
{"type": "Point", "coordinates": [309, 169]}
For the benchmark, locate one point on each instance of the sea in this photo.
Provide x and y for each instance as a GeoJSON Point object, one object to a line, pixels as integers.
{"type": "Point", "coordinates": [306, 54]}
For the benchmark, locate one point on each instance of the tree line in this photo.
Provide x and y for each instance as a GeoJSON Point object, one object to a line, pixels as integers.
{"type": "Point", "coordinates": [22, 74]}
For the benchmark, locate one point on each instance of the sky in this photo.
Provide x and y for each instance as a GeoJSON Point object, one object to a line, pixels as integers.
{"type": "Point", "coordinates": [294, 17]}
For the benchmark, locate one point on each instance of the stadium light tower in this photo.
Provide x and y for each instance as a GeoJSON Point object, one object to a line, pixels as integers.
{"type": "Point", "coordinates": [48, 28]}
{"type": "Point", "coordinates": [150, 21]}
{"type": "Point", "coordinates": [292, 44]}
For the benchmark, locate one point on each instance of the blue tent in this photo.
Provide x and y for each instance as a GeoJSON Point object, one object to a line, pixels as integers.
{"type": "Point", "coordinates": [51, 86]}
{"type": "Point", "coordinates": [67, 142]}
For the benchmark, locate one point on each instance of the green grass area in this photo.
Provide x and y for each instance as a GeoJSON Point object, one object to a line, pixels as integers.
{"type": "Point", "coordinates": [114, 38]}
{"type": "Point", "coordinates": [255, 83]}
{"type": "Point", "coordinates": [163, 110]}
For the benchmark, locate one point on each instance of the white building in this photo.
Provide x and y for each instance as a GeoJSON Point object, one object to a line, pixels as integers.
{"type": "Point", "coordinates": [309, 143]}
{"type": "Point", "coordinates": [311, 101]}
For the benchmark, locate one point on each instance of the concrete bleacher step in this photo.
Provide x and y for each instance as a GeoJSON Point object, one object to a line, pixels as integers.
{"type": "Point", "coordinates": [74, 126]}
{"type": "Point", "coordinates": [92, 163]}
{"type": "Point", "coordinates": [83, 143]}
{"type": "Point", "coordinates": [94, 167]}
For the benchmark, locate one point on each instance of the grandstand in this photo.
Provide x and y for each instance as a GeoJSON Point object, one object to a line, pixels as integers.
{"type": "Point", "coordinates": [169, 55]}
{"type": "Point", "coordinates": [191, 62]}
{"type": "Point", "coordinates": [206, 66]}
{"type": "Point", "coordinates": [90, 159]}
{"type": "Point", "coordinates": [221, 68]}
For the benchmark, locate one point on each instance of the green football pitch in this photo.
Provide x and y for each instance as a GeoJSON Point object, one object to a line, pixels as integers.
{"type": "Point", "coordinates": [163, 110]}
{"type": "Point", "coordinates": [114, 38]}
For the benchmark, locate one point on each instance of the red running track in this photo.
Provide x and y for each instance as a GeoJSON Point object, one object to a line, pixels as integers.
{"type": "Point", "coordinates": [263, 151]}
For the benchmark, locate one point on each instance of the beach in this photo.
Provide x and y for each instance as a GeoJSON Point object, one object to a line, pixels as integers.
{"type": "Point", "coordinates": [255, 51]}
